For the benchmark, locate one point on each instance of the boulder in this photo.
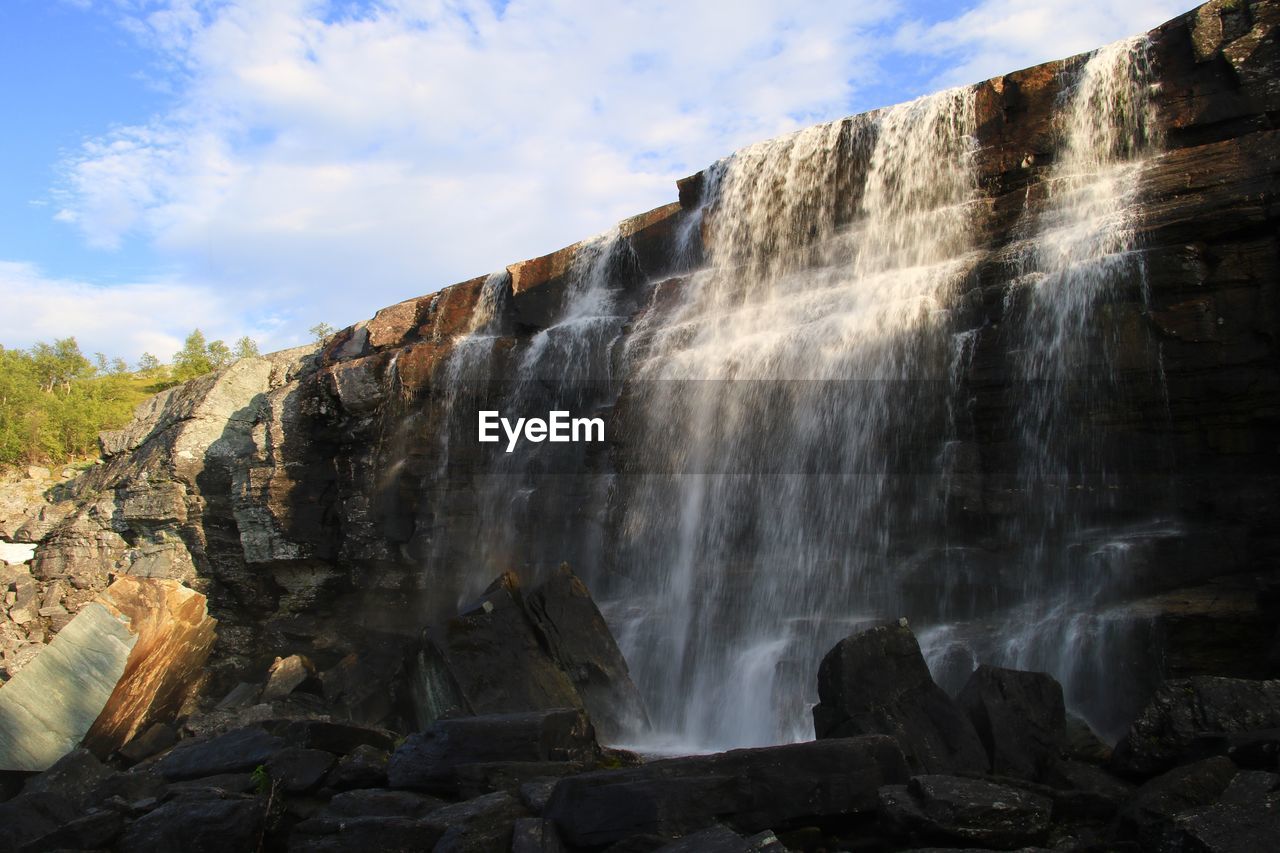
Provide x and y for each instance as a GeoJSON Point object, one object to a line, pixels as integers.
{"type": "Point", "coordinates": [197, 826]}
{"type": "Point", "coordinates": [535, 835]}
{"type": "Point", "coordinates": [876, 682]}
{"type": "Point", "coordinates": [511, 651]}
{"type": "Point", "coordinates": [364, 767]}
{"type": "Point", "coordinates": [1191, 718]}
{"type": "Point", "coordinates": [156, 739]}
{"type": "Point", "coordinates": [953, 811]}
{"type": "Point", "coordinates": [476, 826]}
{"type": "Point", "coordinates": [343, 835]}
{"type": "Point", "coordinates": [1151, 810]}
{"type": "Point", "coordinates": [1020, 717]}
{"type": "Point", "coordinates": [287, 675]}
{"type": "Point", "coordinates": [432, 760]}
{"type": "Point", "coordinates": [76, 777]}
{"type": "Point", "coordinates": [130, 657]}
{"type": "Point", "coordinates": [749, 789]}
{"type": "Point", "coordinates": [1225, 829]}
{"type": "Point", "coordinates": [297, 770]}
{"type": "Point", "coordinates": [241, 750]}
{"type": "Point", "coordinates": [376, 802]}
{"type": "Point", "coordinates": [95, 830]}
{"type": "Point", "coordinates": [565, 615]}
{"type": "Point", "coordinates": [720, 839]}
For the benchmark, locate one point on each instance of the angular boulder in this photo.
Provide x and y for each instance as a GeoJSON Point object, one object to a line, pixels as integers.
{"type": "Point", "coordinates": [953, 811]}
{"type": "Point", "coordinates": [1020, 717]}
{"type": "Point", "coordinates": [513, 651]}
{"type": "Point", "coordinates": [1152, 809]}
{"type": "Point", "coordinates": [129, 658]}
{"type": "Point", "coordinates": [876, 682]}
{"type": "Point", "coordinates": [1192, 718]}
{"type": "Point", "coordinates": [749, 789]}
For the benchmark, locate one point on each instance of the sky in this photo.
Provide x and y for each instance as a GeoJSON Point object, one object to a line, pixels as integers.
{"type": "Point", "coordinates": [256, 167]}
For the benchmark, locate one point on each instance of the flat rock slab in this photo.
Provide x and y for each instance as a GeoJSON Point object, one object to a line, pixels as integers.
{"type": "Point", "coordinates": [750, 789]}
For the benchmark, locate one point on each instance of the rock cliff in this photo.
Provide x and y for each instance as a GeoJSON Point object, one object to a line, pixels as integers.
{"type": "Point", "coordinates": [324, 499]}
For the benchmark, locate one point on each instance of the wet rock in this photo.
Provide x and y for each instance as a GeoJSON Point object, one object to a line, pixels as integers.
{"type": "Point", "coordinates": [750, 789]}
{"type": "Point", "coordinates": [237, 751]}
{"type": "Point", "coordinates": [197, 826]}
{"type": "Point", "coordinates": [430, 760]}
{"type": "Point", "coordinates": [1191, 718]}
{"type": "Point", "coordinates": [1153, 806]}
{"type": "Point", "coordinates": [563, 611]}
{"type": "Point", "coordinates": [1081, 743]}
{"type": "Point", "coordinates": [951, 810]}
{"type": "Point", "coordinates": [1020, 717]}
{"type": "Point", "coordinates": [876, 682]}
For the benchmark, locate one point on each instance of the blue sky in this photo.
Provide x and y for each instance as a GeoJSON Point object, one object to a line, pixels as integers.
{"type": "Point", "coordinates": [258, 166]}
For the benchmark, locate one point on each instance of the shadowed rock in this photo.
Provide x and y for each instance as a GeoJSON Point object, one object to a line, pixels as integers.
{"type": "Point", "coordinates": [876, 682]}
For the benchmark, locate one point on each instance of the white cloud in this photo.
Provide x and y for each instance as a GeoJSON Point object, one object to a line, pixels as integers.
{"type": "Point", "coordinates": [122, 320]}
{"type": "Point", "coordinates": [999, 36]}
{"type": "Point", "coordinates": [318, 163]}
{"type": "Point", "coordinates": [357, 160]}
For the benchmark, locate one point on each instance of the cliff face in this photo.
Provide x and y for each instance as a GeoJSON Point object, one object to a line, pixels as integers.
{"type": "Point", "coordinates": [323, 498]}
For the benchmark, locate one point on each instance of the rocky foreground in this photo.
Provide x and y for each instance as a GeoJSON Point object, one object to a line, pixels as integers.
{"type": "Point", "coordinates": [898, 764]}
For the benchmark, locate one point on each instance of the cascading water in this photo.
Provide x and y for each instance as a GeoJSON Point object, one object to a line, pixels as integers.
{"type": "Point", "coordinates": [789, 418]}
{"type": "Point", "coordinates": [780, 388]}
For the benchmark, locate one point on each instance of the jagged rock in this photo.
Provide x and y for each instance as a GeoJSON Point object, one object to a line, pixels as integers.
{"type": "Point", "coordinates": [1153, 806]}
{"type": "Point", "coordinates": [237, 751]}
{"type": "Point", "coordinates": [750, 789]}
{"type": "Point", "coordinates": [197, 826]}
{"type": "Point", "coordinates": [1082, 743]}
{"type": "Point", "coordinates": [369, 685]}
{"type": "Point", "coordinates": [287, 675]}
{"type": "Point", "coordinates": [876, 682]}
{"type": "Point", "coordinates": [1224, 829]}
{"type": "Point", "coordinates": [563, 611]}
{"type": "Point", "coordinates": [431, 760]}
{"type": "Point", "coordinates": [951, 810]}
{"type": "Point", "coordinates": [75, 777]}
{"type": "Point", "coordinates": [1020, 717]}
{"type": "Point", "coordinates": [1188, 719]}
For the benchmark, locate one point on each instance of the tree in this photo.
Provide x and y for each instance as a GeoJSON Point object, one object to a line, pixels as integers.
{"type": "Point", "coordinates": [193, 359]}
{"type": "Point", "coordinates": [219, 354]}
{"type": "Point", "coordinates": [246, 348]}
{"type": "Point", "coordinates": [322, 331]}
{"type": "Point", "coordinates": [59, 365]}
{"type": "Point", "coordinates": [148, 363]}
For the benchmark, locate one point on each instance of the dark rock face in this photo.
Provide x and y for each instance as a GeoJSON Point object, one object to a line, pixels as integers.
{"type": "Point", "coordinates": [1193, 718]}
{"type": "Point", "coordinates": [1020, 717]}
{"type": "Point", "coordinates": [876, 682]}
{"type": "Point", "coordinates": [238, 751]}
{"type": "Point", "coordinates": [511, 651]}
{"type": "Point", "coordinates": [750, 789]}
{"type": "Point", "coordinates": [949, 810]}
{"type": "Point", "coordinates": [200, 825]}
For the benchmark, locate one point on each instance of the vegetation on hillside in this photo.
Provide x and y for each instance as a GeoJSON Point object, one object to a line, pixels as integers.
{"type": "Point", "coordinates": [54, 400]}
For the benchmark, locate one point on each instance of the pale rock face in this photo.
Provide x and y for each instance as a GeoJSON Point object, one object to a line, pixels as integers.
{"type": "Point", "coordinates": [129, 658]}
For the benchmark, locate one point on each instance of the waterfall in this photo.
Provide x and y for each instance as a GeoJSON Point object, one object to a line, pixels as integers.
{"type": "Point", "coordinates": [776, 405]}
{"type": "Point", "coordinates": [789, 419]}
